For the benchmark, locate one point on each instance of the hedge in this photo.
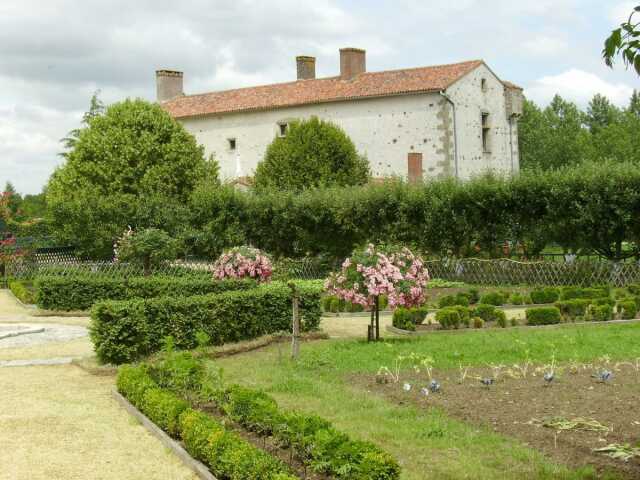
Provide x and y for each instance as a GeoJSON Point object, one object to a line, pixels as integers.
{"type": "Point", "coordinates": [592, 206]}
{"type": "Point", "coordinates": [493, 298]}
{"type": "Point", "coordinates": [600, 313]}
{"type": "Point", "coordinates": [627, 309]}
{"type": "Point", "coordinates": [545, 295]}
{"type": "Point", "coordinates": [543, 315]}
{"type": "Point", "coordinates": [449, 317]}
{"type": "Point", "coordinates": [574, 308]}
{"type": "Point", "coordinates": [570, 293]}
{"type": "Point", "coordinates": [228, 455]}
{"type": "Point", "coordinates": [123, 331]}
{"type": "Point", "coordinates": [409, 318]}
{"type": "Point", "coordinates": [22, 291]}
{"type": "Point", "coordinates": [313, 439]}
{"type": "Point", "coordinates": [81, 292]}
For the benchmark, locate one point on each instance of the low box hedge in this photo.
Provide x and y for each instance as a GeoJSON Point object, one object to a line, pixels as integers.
{"type": "Point", "coordinates": [600, 313]}
{"type": "Point", "coordinates": [543, 315]}
{"type": "Point", "coordinates": [226, 454]}
{"type": "Point", "coordinates": [493, 298]}
{"type": "Point", "coordinates": [574, 308]}
{"type": "Point", "coordinates": [569, 293]}
{"type": "Point", "coordinates": [627, 308]}
{"type": "Point", "coordinates": [22, 291]}
{"type": "Point", "coordinates": [123, 331]}
{"type": "Point", "coordinates": [81, 292]}
{"type": "Point", "coordinates": [545, 295]}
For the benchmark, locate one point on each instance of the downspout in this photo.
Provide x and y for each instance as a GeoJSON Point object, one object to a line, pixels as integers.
{"type": "Point", "coordinates": [511, 143]}
{"type": "Point", "coordinates": [455, 133]}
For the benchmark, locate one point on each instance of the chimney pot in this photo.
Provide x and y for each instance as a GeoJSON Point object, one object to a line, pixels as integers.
{"type": "Point", "coordinates": [352, 62]}
{"type": "Point", "coordinates": [306, 67]}
{"type": "Point", "coordinates": [168, 85]}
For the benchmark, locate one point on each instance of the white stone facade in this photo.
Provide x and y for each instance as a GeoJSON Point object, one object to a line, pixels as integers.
{"type": "Point", "coordinates": [445, 127]}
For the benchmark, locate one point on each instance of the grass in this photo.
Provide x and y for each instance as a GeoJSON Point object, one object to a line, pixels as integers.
{"type": "Point", "coordinates": [428, 444]}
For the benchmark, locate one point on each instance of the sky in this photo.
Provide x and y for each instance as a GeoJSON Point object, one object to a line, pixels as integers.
{"type": "Point", "coordinates": [54, 54]}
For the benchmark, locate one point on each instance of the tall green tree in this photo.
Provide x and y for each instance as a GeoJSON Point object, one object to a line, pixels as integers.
{"type": "Point", "coordinates": [600, 113]}
{"type": "Point", "coordinates": [314, 153]}
{"type": "Point", "coordinates": [96, 108]}
{"type": "Point", "coordinates": [634, 103]}
{"type": "Point", "coordinates": [553, 137]}
{"type": "Point", "coordinates": [131, 165]}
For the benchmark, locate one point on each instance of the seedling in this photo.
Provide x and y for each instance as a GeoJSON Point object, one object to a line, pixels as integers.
{"type": "Point", "coordinates": [464, 371]}
{"type": "Point", "coordinates": [619, 452]}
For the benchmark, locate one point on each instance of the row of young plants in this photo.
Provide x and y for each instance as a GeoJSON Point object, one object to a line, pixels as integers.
{"type": "Point", "coordinates": [81, 292]}
{"type": "Point", "coordinates": [124, 331]}
{"type": "Point", "coordinates": [312, 440]}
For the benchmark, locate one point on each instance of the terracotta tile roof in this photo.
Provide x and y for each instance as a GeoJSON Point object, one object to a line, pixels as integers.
{"type": "Point", "coordinates": [332, 89]}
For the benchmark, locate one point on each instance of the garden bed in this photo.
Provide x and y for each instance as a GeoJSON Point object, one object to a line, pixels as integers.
{"type": "Point", "coordinates": [519, 407]}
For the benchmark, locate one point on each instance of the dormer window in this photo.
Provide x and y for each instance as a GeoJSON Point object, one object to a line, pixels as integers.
{"type": "Point", "coordinates": [282, 129]}
{"type": "Point", "coordinates": [483, 84]}
{"type": "Point", "coordinates": [232, 143]}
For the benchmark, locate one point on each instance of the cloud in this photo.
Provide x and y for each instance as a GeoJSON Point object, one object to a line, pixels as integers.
{"type": "Point", "coordinates": [620, 12]}
{"type": "Point", "coordinates": [578, 86]}
{"type": "Point", "coordinates": [546, 45]}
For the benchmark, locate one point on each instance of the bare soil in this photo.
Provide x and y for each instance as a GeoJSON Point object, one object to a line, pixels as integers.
{"type": "Point", "coordinates": [518, 407]}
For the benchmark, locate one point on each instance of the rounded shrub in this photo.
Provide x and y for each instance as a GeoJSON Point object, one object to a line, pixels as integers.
{"type": "Point", "coordinates": [403, 318]}
{"type": "Point", "coordinates": [451, 300]}
{"type": "Point", "coordinates": [477, 322]}
{"type": "Point", "coordinates": [545, 295]}
{"type": "Point", "coordinates": [543, 315]}
{"type": "Point", "coordinates": [313, 153]}
{"type": "Point", "coordinates": [501, 318]}
{"type": "Point", "coordinates": [493, 298]}
{"type": "Point", "coordinates": [448, 318]}
{"type": "Point", "coordinates": [600, 313]}
{"type": "Point", "coordinates": [485, 312]}
{"type": "Point", "coordinates": [627, 309]}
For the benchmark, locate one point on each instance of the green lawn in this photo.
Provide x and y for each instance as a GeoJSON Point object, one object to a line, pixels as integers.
{"type": "Point", "coordinates": [427, 443]}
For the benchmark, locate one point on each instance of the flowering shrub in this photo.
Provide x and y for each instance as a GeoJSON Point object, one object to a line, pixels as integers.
{"type": "Point", "coordinates": [241, 262]}
{"type": "Point", "coordinates": [369, 273]}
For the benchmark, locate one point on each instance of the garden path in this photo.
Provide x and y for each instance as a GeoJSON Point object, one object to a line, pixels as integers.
{"type": "Point", "coordinates": [60, 421]}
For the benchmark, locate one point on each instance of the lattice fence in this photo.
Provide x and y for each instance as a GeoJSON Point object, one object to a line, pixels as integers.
{"type": "Point", "coordinates": [66, 264]}
{"type": "Point", "coordinates": [511, 272]}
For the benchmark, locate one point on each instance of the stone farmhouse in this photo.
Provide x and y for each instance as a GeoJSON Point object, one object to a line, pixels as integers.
{"type": "Point", "coordinates": [445, 120]}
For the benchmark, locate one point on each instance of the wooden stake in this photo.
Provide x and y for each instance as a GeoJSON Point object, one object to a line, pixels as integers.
{"type": "Point", "coordinates": [295, 338]}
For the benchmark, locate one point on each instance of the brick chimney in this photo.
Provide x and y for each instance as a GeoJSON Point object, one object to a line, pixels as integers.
{"type": "Point", "coordinates": [306, 67]}
{"type": "Point", "coordinates": [168, 85]}
{"type": "Point", "coordinates": [352, 62]}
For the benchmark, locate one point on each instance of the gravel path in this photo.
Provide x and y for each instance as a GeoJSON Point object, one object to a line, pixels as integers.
{"type": "Point", "coordinates": [61, 422]}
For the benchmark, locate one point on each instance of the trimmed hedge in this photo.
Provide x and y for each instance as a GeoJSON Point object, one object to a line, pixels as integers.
{"type": "Point", "coordinates": [313, 439]}
{"type": "Point", "coordinates": [228, 456]}
{"type": "Point", "coordinates": [600, 313]}
{"type": "Point", "coordinates": [22, 292]}
{"type": "Point", "coordinates": [570, 293]}
{"type": "Point", "coordinates": [574, 308]}
{"type": "Point", "coordinates": [493, 298]}
{"type": "Point", "coordinates": [449, 317]}
{"type": "Point", "coordinates": [627, 308]}
{"type": "Point", "coordinates": [486, 312]}
{"type": "Point", "coordinates": [543, 315]}
{"type": "Point", "coordinates": [453, 300]}
{"type": "Point", "coordinates": [123, 331]}
{"type": "Point", "coordinates": [409, 318]}
{"type": "Point", "coordinates": [81, 292]}
{"type": "Point", "coordinates": [545, 295]}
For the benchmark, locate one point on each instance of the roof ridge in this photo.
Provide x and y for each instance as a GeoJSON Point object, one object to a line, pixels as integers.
{"type": "Point", "coordinates": [335, 77]}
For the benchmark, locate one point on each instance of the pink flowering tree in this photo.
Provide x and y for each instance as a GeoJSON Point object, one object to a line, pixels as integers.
{"type": "Point", "coordinates": [243, 262]}
{"type": "Point", "coordinates": [392, 271]}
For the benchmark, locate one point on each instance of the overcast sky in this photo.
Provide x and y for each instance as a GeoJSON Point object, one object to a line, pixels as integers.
{"type": "Point", "coordinates": [55, 53]}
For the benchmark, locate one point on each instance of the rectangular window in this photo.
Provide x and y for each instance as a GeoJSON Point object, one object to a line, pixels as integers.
{"type": "Point", "coordinates": [486, 129]}
{"type": "Point", "coordinates": [232, 143]}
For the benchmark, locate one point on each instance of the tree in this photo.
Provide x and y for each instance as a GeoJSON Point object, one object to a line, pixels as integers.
{"type": "Point", "coordinates": [96, 108]}
{"type": "Point", "coordinates": [132, 165]}
{"type": "Point", "coordinates": [600, 113]}
{"type": "Point", "coordinates": [634, 103]}
{"type": "Point", "coordinates": [624, 41]}
{"type": "Point", "coordinates": [13, 199]}
{"type": "Point", "coordinates": [148, 247]}
{"type": "Point", "coordinates": [553, 137]}
{"type": "Point", "coordinates": [314, 153]}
